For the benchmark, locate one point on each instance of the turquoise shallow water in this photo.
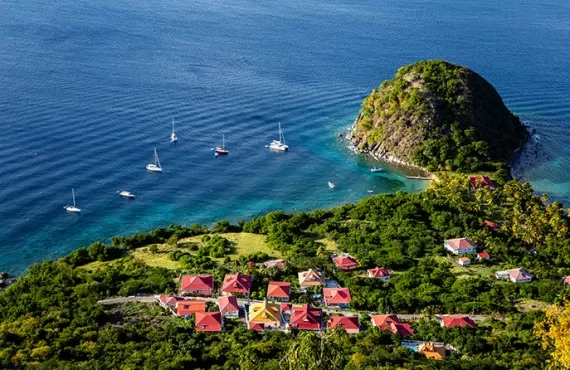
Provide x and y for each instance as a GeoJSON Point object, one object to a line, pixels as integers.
{"type": "Point", "coordinates": [90, 87]}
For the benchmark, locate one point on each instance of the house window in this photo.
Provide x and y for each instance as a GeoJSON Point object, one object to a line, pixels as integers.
{"type": "Point", "coordinates": [203, 326]}
{"type": "Point", "coordinates": [185, 307]}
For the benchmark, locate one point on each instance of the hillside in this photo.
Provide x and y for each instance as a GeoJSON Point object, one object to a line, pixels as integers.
{"type": "Point", "coordinates": [439, 116]}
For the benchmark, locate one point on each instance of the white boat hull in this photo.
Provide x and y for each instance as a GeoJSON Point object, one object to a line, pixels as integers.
{"type": "Point", "coordinates": [279, 146]}
{"type": "Point", "coordinates": [153, 168]}
{"type": "Point", "coordinates": [127, 194]}
{"type": "Point", "coordinates": [72, 209]}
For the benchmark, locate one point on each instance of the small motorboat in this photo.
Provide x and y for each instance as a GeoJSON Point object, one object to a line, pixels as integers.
{"type": "Point", "coordinates": [331, 185]}
{"type": "Point", "coordinates": [376, 169]}
{"type": "Point", "coordinates": [127, 194]}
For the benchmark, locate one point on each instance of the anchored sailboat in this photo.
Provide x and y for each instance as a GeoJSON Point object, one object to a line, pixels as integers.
{"type": "Point", "coordinates": [72, 208]}
{"type": "Point", "coordinates": [280, 144]}
{"type": "Point", "coordinates": [173, 137]}
{"type": "Point", "coordinates": [154, 167]}
{"type": "Point", "coordinates": [222, 150]}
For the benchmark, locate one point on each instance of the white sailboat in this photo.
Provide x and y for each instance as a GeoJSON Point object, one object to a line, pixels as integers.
{"type": "Point", "coordinates": [72, 208]}
{"type": "Point", "coordinates": [331, 185]}
{"type": "Point", "coordinates": [280, 144]}
{"type": "Point", "coordinates": [222, 150]}
{"type": "Point", "coordinates": [127, 194]}
{"type": "Point", "coordinates": [154, 167]}
{"type": "Point", "coordinates": [173, 137]}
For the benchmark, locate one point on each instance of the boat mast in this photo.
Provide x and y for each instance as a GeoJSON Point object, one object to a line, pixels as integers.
{"type": "Point", "coordinates": [73, 195]}
{"type": "Point", "coordinates": [156, 161]}
{"type": "Point", "coordinates": [224, 142]}
{"type": "Point", "coordinates": [173, 126]}
{"type": "Point", "coordinates": [281, 136]}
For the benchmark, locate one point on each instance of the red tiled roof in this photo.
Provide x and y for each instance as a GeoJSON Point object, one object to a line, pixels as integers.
{"type": "Point", "coordinates": [238, 283]}
{"type": "Point", "coordinates": [483, 255]}
{"type": "Point", "coordinates": [278, 289]}
{"type": "Point", "coordinates": [345, 262]}
{"type": "Point", "coordinates": [200, 282]}
{"type": "Point", "coordinates": [189, 307]}
{"type": "Point", "coordinates": [461, 243]}
{"type": "Point", "coordinates": [336, 295]}
{"type": "Point", "coordinates": [306, 317]}
{"type": "Point", "coordinates": [256, 326]}
{"type": "Point", "coordinates": [566, 280]}
{"type": "Point", "coordinates": [378, 272]}
{"type": "Point", "coordinates": [168, 299]}
{"type": "Point", "coordinates": [404, 330]}
{"type": "Point", "coordinates": [345, 322]}
{"type": "Point", "coordinates": [492, 225]}
{"type": "Point", "coordinates": [286, 307]}
{"type": "Point", "coordinates": [228, 304]}
{"type": "Point", "coordinates": [383, 321]}
{"type": "Point", "coordinates": [519, 274]}
{"type": "Point", "coordinates": [208, 321]}
{"type": "Point", "coordinates": [275, 263]}
{"type": "Point", "coordinates": [459, 321]}
{"type": "Point", "coordinates": [464, 259]}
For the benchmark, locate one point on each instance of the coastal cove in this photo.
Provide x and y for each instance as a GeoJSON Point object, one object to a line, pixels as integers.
{"type": "Point", "coordinates": [90, 89]}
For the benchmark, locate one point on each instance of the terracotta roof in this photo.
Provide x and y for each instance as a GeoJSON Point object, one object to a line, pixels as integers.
{"type": "Point", "coordinates": [345, 322]}
{"type": "Point", "coordinates": [566, 280]}
{"type": "Point", "coordinates": [459, 321]}
{"type": "Point", "coordinates": [192, 306]}
{"type": "Point", "coordinates": [464, 259]}
{"type": "Point", "coordinates": [286, 307]}
{"type": "Point", "coordinates": [383, 321]}
{"type": "Point", "coordinates": [492, 225]}
{"type": "Point", "coordinates": [256, 326]}
{"type": "Point", "coordinates": [378, 272]}
{"type": "Point", "coordinates": [306, 314]}
{"type": "Point", "coordinates": [208, 321]}
{"type": "Point", "coordinates": [461, 243]}
{"type": "Point", "coordinates": [345, 262]}
{"type": "Point", "coordinates": [336, 295]}
{"type": "Point", "coordinates": [430, 350]}
{"type": "Point", "coordinates": [228, 304]}
{"type": "Point", "coordinates": [200, 282]}
{"type": "Point", "coordinates": [238, 283]}
{"type": "Point", "coordinates": [483, 255]}
{"type": "Point", "coordinates": [278, 289]}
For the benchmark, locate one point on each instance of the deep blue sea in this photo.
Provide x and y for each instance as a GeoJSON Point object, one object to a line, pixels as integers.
{"type": "Point", "coordinates": [89, 88]}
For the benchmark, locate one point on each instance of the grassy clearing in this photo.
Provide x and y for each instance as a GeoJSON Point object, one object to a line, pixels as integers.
{"type": "Point", "coordinates": [158, 259]}
{"type": "Point", "coordinates": [474, 270]}
{"type": "Point", "coordinates": [527, 305]}
{"type": "Point", "coordinates": [329, 244]}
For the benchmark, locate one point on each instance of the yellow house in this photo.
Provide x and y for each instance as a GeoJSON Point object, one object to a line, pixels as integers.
{"type": "Point", "coordinates": [264, 316]}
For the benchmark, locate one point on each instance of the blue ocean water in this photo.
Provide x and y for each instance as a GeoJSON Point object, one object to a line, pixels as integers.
{"type": "Point", "coordinates": [89, 88]}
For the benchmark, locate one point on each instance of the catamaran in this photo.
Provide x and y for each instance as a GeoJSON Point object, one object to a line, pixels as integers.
{"type": "Point", "coordinates": [173, 137]}
{"type": "Point", "coordinates": [222, 150]}
{"type": "Point", "coordinates": [279, 144]}
{"type": "Point", "coordinates": [72, 208]}
{"type": "Point", "coordinates": [154, 167]}
{"type": "Point", "coordinates": [127, 194]}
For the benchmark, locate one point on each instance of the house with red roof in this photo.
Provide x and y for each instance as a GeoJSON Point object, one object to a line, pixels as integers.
{"type": "Point", "coordinates": [168, 302]}
{"type": "Point", "coordinates": [278, 264]}
{"type": "Point", "coordinates": [379, 273]}
{"type": "Point", "coordinates": [483, 256]}
{"type": "Point", "coordinates": [197, 285]}
{"type": "Point", "coordinates": [566, 280]}
{"type": "Point", "coordinates": [345, 262]}
{"type": "Point", "coordinates": [479, 182]}
{"type": "Point", "coordinates": [460, 246]}
{"type": "Point", "coordinates": [515, 275]}
{"type": "Point", "coordinates": [393, 324]}
{"type": "Point", "coordinates": [452, 321]}
{"type": "Point", "coordinates": [209, 321]}
{"type": "Point", "coordinates": [286, 308]}
{"type": "Point", "coordinates": [336, 297]}
{"type": "Point", "coordinates": [348, 323]}
{"type": "Point", "coordinates": [278, 291]}
{"type": "Point", "coordinates": [306, 317]}
{"type": "Point", "coordinates": [236, 284]}
{"type": "Point", "coordinates": [463, 261]}
{"type": "Point", "coordinates": [228, 306]}
{"type": "Point", "coordinates": [189, 307]}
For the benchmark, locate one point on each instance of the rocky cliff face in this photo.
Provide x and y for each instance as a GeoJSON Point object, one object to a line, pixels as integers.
{"type": "Point", "coordinates": [438, 115]}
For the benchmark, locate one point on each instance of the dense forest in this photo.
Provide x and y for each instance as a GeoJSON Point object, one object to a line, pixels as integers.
{"type": "Point", "coordinates": [440, 116]}
{"type": "Point", "coordinates": [50, 317]}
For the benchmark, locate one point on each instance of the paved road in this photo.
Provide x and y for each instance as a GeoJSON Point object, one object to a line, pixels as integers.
{"type": "Point", "coordinates": [242, 302]}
